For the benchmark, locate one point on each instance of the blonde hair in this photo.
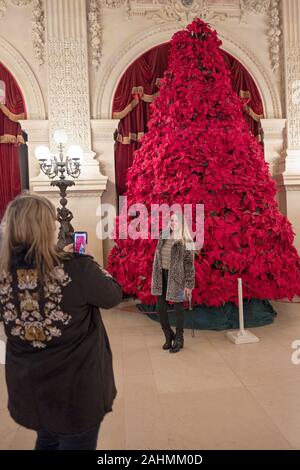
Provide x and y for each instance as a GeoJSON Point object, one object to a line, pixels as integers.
{"type": "Point", "coordinates": [29, 223]}
{"type": "Point", "coordinates": [184, 232]}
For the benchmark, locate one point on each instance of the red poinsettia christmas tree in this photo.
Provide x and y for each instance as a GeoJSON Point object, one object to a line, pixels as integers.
{"type": "Point", "coordinates": [199, 150]}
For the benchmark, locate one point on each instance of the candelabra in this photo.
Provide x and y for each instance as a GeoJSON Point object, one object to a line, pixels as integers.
{"type": "Point", "coordinates": [56, 168]}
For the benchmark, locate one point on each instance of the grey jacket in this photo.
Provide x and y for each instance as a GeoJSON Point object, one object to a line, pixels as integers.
{"type": "Point", "coordinates": [181, 272]}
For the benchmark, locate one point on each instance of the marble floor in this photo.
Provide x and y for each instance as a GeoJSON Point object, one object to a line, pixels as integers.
{"type": "Point", "coordinates": [211, 395]}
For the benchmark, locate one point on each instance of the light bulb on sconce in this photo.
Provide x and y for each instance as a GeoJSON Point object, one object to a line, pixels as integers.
{"type": "Point", "coordinates": [42, 152]}
{"type": "Point", "coordinates": [60, 137]}
{"type": "Point", "coordinates": [75, 152]}
{"type": "Point", "coordinates": [48, 162]}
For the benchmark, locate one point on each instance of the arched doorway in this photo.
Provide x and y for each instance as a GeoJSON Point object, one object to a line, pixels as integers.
{"type": "Point", "coordinates": [13, 149]}
{"type": "Point", "coordinates": [138, 87]}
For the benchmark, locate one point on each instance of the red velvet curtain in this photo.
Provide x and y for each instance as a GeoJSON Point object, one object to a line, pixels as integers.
{"type": "Point", "coordinates": [10, 138]}
{"type": "Point", "coordinates": [245, 86]}
{"type": "Point", "coordinates": [135, 92]}
{"type": "Point", "coordinates": [139, 86]}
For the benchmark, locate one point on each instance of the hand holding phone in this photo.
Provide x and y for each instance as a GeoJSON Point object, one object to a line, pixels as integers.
{"type": "Point", "coordinates": [80, 242]}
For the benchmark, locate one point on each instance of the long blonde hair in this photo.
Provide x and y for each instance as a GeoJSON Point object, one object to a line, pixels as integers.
{"type": "Point", "coordinates": [29, 224]}
{"type": "Point", "coordinates": [184, 233]}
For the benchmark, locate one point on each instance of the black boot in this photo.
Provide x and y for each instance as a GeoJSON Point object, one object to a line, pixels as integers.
{"type": "Point", "coordinates": [178, 342]}
{"type": "Point", "coordinates": [170, 335]}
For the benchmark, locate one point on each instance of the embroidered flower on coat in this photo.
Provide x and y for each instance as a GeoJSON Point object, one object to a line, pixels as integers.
{"type": "Point", "coordinates": [5, 287]}
{"type": "Point", "coordinates": [34, 319]}
{"type": "Point", "coordinates": [27, 279]}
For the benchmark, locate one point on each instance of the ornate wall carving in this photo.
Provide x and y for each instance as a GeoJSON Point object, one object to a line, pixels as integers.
{"type": "Point", "coordinates": [26, 79]}
{"type": "Point", "coordinates": [183, 11]}
{"type": "Point", "coordinates": [95, 32]}
{"type": "Point", "coordinates": [95, 19]}
{"type": "Point", "coordinates": [293, 95]}
{"type": "Point", "coordinates": [291, 10]}
{"type": "Point", "coordinates": [38, 25]}
{"type": "Point", "coordinates": [110, 75]}
{"type": "Point", "coordinates": [271, 9]}
{"type": "Point", "coordinates": [21, 3]}
{"type": "Point", "coordinates": [256, 6]}
{"type": "Point", "coordinates": [68, 89]}
{"type": "Point", "coordinates": [113, 3]}
{"type": "Point", "coordinates": [3, 6]}
{"type": "Point", "coordinates": [38, 31]}
{"type": "Point", "coordinates": [68, 83]}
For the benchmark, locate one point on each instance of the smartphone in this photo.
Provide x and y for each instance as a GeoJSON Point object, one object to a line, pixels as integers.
{"type": "Point", "coordinates": [80, 242]}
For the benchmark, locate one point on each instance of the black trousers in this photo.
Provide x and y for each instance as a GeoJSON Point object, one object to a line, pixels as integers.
{"type": "Point", "coordinates": [162, 307]}
{"type": "Point", "coordinates": [83, 441]}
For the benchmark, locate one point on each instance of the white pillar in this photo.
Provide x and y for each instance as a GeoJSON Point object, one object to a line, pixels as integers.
{"type": "Point", "coordinates": [69, 109]}
{"type": "Point", "coordinates": [291, 29]}
{"type": "Point", "coordinates": [273, 130]}
{"type": "Point", "coordinates": [103, 143]}
{"type": "Point", "coordinates": [291, 173]}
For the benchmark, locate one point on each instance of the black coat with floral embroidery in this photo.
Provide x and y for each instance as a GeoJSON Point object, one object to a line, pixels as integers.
{"type": "Point", "coordinates": [58, 359]}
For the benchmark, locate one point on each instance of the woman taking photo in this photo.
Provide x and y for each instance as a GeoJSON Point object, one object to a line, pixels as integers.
{"type": "Point", "coordinates": [173, 277]}
{"type": "Point", "coordinates": [58, 360]}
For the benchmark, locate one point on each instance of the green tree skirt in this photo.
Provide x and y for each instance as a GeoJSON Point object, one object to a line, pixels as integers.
{"type": "Point", "coordinates": [256, 313]}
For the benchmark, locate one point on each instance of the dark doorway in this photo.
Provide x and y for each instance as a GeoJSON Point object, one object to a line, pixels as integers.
{"type": "Point", "coordinates": [23, 163]}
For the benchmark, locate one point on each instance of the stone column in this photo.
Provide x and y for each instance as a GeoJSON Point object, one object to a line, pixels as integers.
{"type": "Point", "coordinates": [274, 133]}
{"type": "Point", "coordinates": [273, 130]}
{"type": "Point", "coordinates": [291, 173]}
{"type": "Point", "coordinates": [103, 143]}
{"type": "Point", "coordinates": [69, 109]}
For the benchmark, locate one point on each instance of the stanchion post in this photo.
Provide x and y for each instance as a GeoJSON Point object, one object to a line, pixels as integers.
{"type": "Point", "coordinates": [241, 336]}
{"type": "Point", "coordinates": [241, 306]}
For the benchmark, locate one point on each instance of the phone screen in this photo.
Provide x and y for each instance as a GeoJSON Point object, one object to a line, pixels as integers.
{"type": "Point", "coordinates": [80, 241]}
